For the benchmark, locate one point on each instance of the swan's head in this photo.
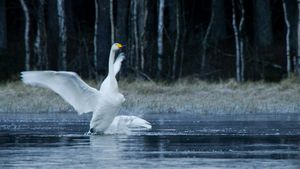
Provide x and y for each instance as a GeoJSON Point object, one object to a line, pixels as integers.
{"type": "Point", "coordinates": [116, 46]}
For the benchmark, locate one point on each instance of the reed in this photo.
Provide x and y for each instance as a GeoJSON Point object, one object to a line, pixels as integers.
{"type": "Point", "coordinates": [191, 96]}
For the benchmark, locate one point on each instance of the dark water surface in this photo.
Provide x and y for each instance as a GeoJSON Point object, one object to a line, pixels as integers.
{"type": "Point", "coordinates": [57, 140]}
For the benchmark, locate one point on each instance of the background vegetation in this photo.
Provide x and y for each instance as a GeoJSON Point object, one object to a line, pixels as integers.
{"type": "Point", "coordinates": [165, 39]}
{"type": "Point", "coordinates": [189, 96]}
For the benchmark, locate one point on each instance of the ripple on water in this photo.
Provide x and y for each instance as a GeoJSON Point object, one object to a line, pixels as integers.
{"type": "Point", "coordinates": [177, 141]}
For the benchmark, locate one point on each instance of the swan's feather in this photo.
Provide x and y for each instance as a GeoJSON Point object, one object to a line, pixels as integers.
{"type": "Point", "coordinates": [68, 85]}
{"type": "Point", "coordinates": [108, 85]}
{"type": "Point", "coordinates": [118, 62]}
{"type": "Point", "coordinates": [123, 124]}
{"type": "Point", "coordinates": [104, 114]}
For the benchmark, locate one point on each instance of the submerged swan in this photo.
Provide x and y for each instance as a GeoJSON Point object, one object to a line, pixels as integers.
{"type": "Point", "coordinates": [104, 103]}
{"type": "Point", "coordinates": [123, 124]}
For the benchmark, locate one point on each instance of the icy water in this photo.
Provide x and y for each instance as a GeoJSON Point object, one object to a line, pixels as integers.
{"type": "Point", "coordinates": [57, 140]}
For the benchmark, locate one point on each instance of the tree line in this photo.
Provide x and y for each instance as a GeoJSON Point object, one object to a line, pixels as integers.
{"type": "Point", "coordinates": [165, 39]}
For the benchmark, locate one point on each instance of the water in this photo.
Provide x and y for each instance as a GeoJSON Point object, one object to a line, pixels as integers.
{"type": "Point", "coordinates": [57, 140]}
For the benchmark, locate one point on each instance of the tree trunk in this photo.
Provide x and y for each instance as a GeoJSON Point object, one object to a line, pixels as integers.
{"type": "Point", "coordinates": [3, 36]}
{"type": "Point", "coordinates": [292, 12]}
{"type": "Point", "coordinates": [182, 53]}
{"type": "Point", "coordinates": [52, 29]}
{"type": "Point", "coordinates": [41, 37]}
{"type": "Point", "coordinates": [104, 35]}
{"type": "Point", "coordinates": [26, 34]}
{"type": "Point", "coordinates": [182, 50]}
{"type": "Point", "coordinates": [141, 31]}
{"type": "Point", "coordinates": [218, 30]}
{"type": "Point", "coordinates": [131, 35]}
{"type": "Point", "coordinates": [160, 46]}
{"type": "Point", "coordinates": [121, 24]}
{"type": "Point", "coordinates": [112, 23]}
{"type": "Point", "coordinates": [298, 51]}
{"type": "Point", "coordinates": [237, 45]}
{"type": "Point", "coordinates": [62, 48]}
{"type": "Point", "coordinates": [178, 35]}
{"type": "Point", "coordinates": [142, 36]}
{"type": "Point", "coordinates": [95, 61]}
{"type": "Point", "coordinates": [241, 40]}
{"type": "Point", "coordinates": [135, 37]}
{"type": "Point", "coordinates": [263, 34]}
{"type": "Point", "coordinates": [147, 41]}
{"type": "Point", "coordinates": [205, 38]}
{"type": "Point", "coordinates": [242, 53]}
{"type": "Point", "coordinates": [287, 39]}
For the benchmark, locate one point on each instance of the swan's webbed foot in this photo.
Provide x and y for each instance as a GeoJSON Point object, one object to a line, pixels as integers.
{"type": "Point", "coordinates": [90, 132]}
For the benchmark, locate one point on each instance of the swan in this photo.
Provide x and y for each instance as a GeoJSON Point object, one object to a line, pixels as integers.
{"type": "Point", "coordinates": [123, 125]}
{"type": "Point", "coordinates": [104, 103]}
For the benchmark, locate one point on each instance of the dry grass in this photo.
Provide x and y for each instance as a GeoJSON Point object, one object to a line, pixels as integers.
{"type": "Point", "coordinates": [182, 96]}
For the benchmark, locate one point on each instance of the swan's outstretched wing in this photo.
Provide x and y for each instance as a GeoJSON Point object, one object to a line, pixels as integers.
{"type": "Point", "coordinates": [118, 62]}
{"type": "Point", "coordinates": [68, 85]}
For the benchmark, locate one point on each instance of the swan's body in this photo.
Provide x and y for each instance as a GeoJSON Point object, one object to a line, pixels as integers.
{"type": "Point", "coordinates": [123, 124]}
{"type": "Point", "coordinates": [104, 103]}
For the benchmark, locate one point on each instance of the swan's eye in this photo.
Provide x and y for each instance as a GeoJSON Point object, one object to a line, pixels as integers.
{"type": "Point", "coordinates": [119, 45]}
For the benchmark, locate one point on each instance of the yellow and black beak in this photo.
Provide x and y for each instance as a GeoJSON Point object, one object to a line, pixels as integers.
{"type": "Point", "coordinates": [119, 45]}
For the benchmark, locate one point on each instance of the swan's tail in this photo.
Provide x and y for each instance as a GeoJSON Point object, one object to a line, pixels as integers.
{"type": "Point", "coordinates": [123, 124]}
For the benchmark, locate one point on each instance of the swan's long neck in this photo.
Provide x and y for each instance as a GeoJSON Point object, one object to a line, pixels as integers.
{"type": "Point", "coordinates": [111, 72]}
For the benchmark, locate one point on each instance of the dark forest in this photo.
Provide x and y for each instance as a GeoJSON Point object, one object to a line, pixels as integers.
{"type": "Point", "coordinates": [164, 39]}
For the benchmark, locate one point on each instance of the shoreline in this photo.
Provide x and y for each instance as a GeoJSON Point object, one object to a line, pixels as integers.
{"type": "Point", "coordinates": [183, 96]}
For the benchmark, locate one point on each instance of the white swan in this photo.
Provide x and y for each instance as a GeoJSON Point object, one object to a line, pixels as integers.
{"type": "Point", "coordinates": [124, 124]}
{"type": "Point", "coordinates": [104, 103]}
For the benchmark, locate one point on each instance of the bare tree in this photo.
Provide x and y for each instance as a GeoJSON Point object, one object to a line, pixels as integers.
{"type": "Point", "coordinates": [40, 45]}
{"type": "Point", "coordinates": [219, 29]}
{"type": "Point", "coordinates": [52, 29]}
{"type": "Point", "coordinates": [148, 23]}
{"type": "Point", "coordinates": [205, 38]}
{"type": "Point", "coordinates": [121, 22]}
{"type": "Point", "coordinates": [112, 24]}
{"type": "Point", "coordinates": [62, 48]}
{"type": "Point", "coordinates": [136, 36]}
{"type": "Point", "coordinates": [241, 40]}
{"type": "Point", "coordinates": [160, 46]}
{"type": "Point", "coordinates": [26, 34]}
{"type": "Point", "coordinates": [298, 51]}
{"type": "Point", "coordinates": [141, 19]}
{"type": "Point", "coordinates": [287, 39]}
{"type": "Point", "coordinates": [263, 34]}
{"type": "Point", "coordinates": [178, 35]}
{"type": "Point", "coordinates": [239, 44]}
{"type": "Point", "coordinates": [104, 34]}
{"type": "Point", "coordinates": [182, 50]}
{"type": "Point", "coordinates": [3, 38]}
{"type": "Point", "coordinates": [95, 61]}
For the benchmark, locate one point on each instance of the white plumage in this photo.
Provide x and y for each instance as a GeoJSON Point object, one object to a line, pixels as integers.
{"type": "Point", "coordinates": [123, 124]}
{"type": "Point", "coordinates": [104, 103]}
{"type": "Point", "coordinates": [68, 85]}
